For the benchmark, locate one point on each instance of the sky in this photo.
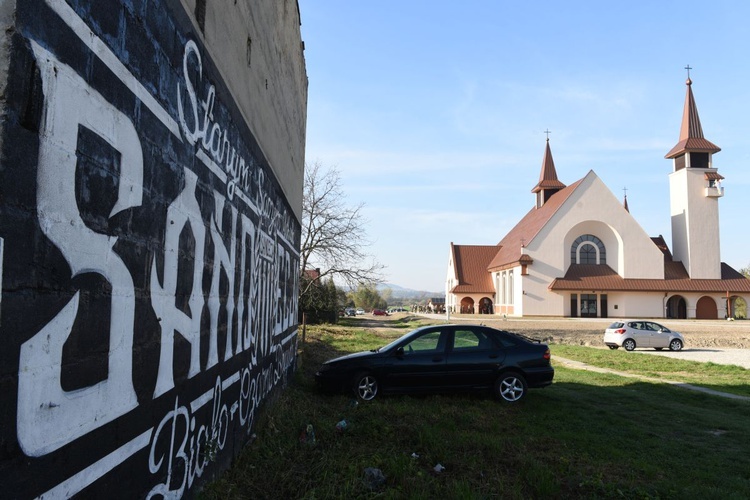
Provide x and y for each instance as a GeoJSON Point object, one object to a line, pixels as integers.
{"type": "Point", "coordinates": [434, 113]}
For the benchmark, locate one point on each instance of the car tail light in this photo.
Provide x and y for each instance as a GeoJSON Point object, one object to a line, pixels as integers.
{"type": "Point", "coordinates": [546, 354]}
{"type": "Point", "coordinates": [620, 331]}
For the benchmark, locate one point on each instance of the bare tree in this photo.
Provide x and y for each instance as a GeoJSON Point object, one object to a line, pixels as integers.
{"type": "Point", "coordinates": [333, 234]}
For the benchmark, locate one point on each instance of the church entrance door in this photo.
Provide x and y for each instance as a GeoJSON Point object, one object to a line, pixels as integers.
{"type": "Point", "coordinates": [588, 305]}
{"type": "Point", "coordinates": [706, 309]}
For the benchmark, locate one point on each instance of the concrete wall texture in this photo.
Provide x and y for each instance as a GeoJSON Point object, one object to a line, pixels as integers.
{"type": "Point", "coordinates": [151, 172]}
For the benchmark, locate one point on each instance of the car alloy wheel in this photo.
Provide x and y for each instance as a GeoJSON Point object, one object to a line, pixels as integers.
{"type": "Point", "coordinates": [366, 386]}
{"type": "Point", "coordinates": [629, 344]}
{"type": "Point", "coordinates": [510, 387]}
{"type": "Point", "coordinates": [675, 345]}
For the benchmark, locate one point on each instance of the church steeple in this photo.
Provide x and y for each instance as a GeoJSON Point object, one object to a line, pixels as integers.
{"type": "Point", "coordinates": [691, 136]}
{"type": "Point", "coordinates": [694, 192]}
{"type": "Point", "coordinates": [548, 183]}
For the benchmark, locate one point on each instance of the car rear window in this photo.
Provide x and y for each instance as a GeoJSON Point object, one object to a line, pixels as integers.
{"type": "Point", "coordinates": [616, 324]}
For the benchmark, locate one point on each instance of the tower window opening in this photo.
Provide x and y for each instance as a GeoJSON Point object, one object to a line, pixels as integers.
{"type": "Point", "coordinates": [699, 160]}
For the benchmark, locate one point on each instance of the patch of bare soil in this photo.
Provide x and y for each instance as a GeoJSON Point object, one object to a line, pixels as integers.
{"type": "Point", "coordinates": [581, 331]}
{"type": "Point", "coordinates": [697, 333]}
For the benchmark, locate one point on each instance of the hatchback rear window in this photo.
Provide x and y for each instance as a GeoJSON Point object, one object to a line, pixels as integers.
{"type": "Point", "coordinates": [616, 324]}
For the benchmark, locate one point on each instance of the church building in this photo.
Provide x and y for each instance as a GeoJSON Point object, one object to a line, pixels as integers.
{"type": "Point", "coordinates": [579, 251]}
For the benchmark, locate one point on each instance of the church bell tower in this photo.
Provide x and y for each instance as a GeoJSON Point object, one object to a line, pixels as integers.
{"type": "Point", "coordinates": [694, 192]}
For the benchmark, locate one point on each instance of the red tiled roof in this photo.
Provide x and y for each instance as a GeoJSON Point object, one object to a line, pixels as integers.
{"type": "Point", "coordinates": [604, 279]}
{"type": "Point", "coordinates": [713, 176]}
{"type": "Point", "coordinates": [693, 144]}
{"type": "Point", "coordinates": [527, 228]}
{"type": "Point", "coordinates": [312, 274]}
{"type": "Point", "coordinates": [691, 132]}
{"type": "Point", "coordinates": [471, 268]}
{"type": "Point", "coordinates": [662, 245]}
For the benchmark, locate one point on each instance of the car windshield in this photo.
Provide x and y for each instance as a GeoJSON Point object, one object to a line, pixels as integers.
{"type": "Point", "coordinates": [388, 346]}
{"type": "Point", "coordinates": [398, 340]}
{"type": "Point", "coordinates": [616, 325]}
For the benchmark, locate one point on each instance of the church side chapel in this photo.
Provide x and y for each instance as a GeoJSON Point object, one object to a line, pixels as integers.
{"type": "Point", "coordinates": [580, 253]}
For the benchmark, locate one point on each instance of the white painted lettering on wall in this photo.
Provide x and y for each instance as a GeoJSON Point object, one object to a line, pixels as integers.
{"type": "Point", "coordinates": [200, 128]}
{"type": "Point", "coordinates": [48, 416]}
{"type": "Point", "coordinates": [241, 237]}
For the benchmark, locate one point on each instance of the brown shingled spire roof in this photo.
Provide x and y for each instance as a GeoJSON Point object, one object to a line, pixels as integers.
{"type": "Point", "coordinates": [691, 132]}
{"type": "Point", "coordinates": [548, 175]}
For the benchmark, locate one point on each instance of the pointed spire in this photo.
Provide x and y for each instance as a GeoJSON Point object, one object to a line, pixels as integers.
{"type": "Point", "coordinates": [548, 183]}
{"type": "Point", "coordinates": [691, 132]}
{"type": "Point", "coordinates": [625, 199]}
{"type": "Point", "coordinates": [548, 175]}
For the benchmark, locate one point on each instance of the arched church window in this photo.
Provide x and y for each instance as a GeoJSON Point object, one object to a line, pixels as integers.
{"type": "Point", "coordinates": [588, 249]}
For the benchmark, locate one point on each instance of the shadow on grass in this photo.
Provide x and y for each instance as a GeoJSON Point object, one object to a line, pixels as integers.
{"type": "Point", "coordinates": [589, 435]}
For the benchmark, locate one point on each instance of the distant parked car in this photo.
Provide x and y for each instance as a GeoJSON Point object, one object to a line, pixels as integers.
{"type": "Point", "coordinates": [350, 311]}
{"type": "Point", "coordinates": [634, 333]}
{"type": "Point", "coordinates": [441, 358]}
{"type": "Point", "coordinates": [379, 312]}
{"type": "Point", "coordinates": [360, 310]}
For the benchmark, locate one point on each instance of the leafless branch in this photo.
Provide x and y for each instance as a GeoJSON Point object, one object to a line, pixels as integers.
{"type": "Point", "coordinates": [333, 234]}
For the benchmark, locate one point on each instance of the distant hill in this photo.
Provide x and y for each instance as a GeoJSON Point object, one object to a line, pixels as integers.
{"type": "Point", "coordinates": [399, 292]}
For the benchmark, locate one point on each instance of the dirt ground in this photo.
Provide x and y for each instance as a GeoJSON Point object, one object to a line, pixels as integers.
{"type": "Point", "coordinates": [580, 331]}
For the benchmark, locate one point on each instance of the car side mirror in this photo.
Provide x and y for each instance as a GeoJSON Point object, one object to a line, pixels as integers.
{"type": "Point", "coordinates": [399, 353]}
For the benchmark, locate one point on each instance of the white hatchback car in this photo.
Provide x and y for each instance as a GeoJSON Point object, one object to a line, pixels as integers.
{"type": "Point", "coordinates": [634, 333]}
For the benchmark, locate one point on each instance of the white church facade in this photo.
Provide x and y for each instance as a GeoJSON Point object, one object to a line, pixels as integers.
{"type": "Point", "coordinates": [579, 251]}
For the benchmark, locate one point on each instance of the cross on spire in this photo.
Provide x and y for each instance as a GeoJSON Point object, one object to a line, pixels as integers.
{"type": "Point", "coordinates": [625, 190]}
{"type": "Point", "coordinates": [548, 133]}
{"type": "Point", "coordinates": [688, 68]}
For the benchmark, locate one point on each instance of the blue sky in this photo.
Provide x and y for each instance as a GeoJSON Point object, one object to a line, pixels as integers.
{"type": "Point", "coordinates": [434, 112]}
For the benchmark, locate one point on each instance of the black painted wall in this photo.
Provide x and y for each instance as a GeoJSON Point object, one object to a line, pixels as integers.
{"type": "Point", "coordinates": [148, 257]}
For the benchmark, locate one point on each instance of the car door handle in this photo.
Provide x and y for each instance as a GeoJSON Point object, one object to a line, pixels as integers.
{"type": "Point", "coordinates": [437, 359]}
{"type": "Point", "coordinates": [494, 356]}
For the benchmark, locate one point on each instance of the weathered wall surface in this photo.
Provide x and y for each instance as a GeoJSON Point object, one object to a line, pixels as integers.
{"type": "Point", "coordinates": [150, 188]}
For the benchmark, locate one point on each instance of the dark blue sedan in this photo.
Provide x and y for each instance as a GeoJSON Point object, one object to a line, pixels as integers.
{"type": "Point", "coordinates": [443, 358]}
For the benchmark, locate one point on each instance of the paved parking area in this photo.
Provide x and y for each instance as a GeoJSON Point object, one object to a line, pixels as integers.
{"type": "Point", "coordinates": [739, 357]}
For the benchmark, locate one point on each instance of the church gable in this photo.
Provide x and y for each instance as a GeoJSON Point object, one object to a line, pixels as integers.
{"type": "Point", "coordinates": [591, 220]}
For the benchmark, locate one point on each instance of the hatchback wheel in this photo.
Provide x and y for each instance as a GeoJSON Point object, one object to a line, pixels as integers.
{"type": "Point", "coordinates": [366, 386]}
{"type": "Point", "coordinates": [675, 345]}
{"type": "Point", "coordinates": [629, 344]}
{"type": "Point", "coordinates": [510, 387]}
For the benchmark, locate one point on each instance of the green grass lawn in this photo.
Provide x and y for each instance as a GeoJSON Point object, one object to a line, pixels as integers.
{"type": "Point", "coordinates": [588, 435]}
{"type": "Point", "coordinates": [725, 378]}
